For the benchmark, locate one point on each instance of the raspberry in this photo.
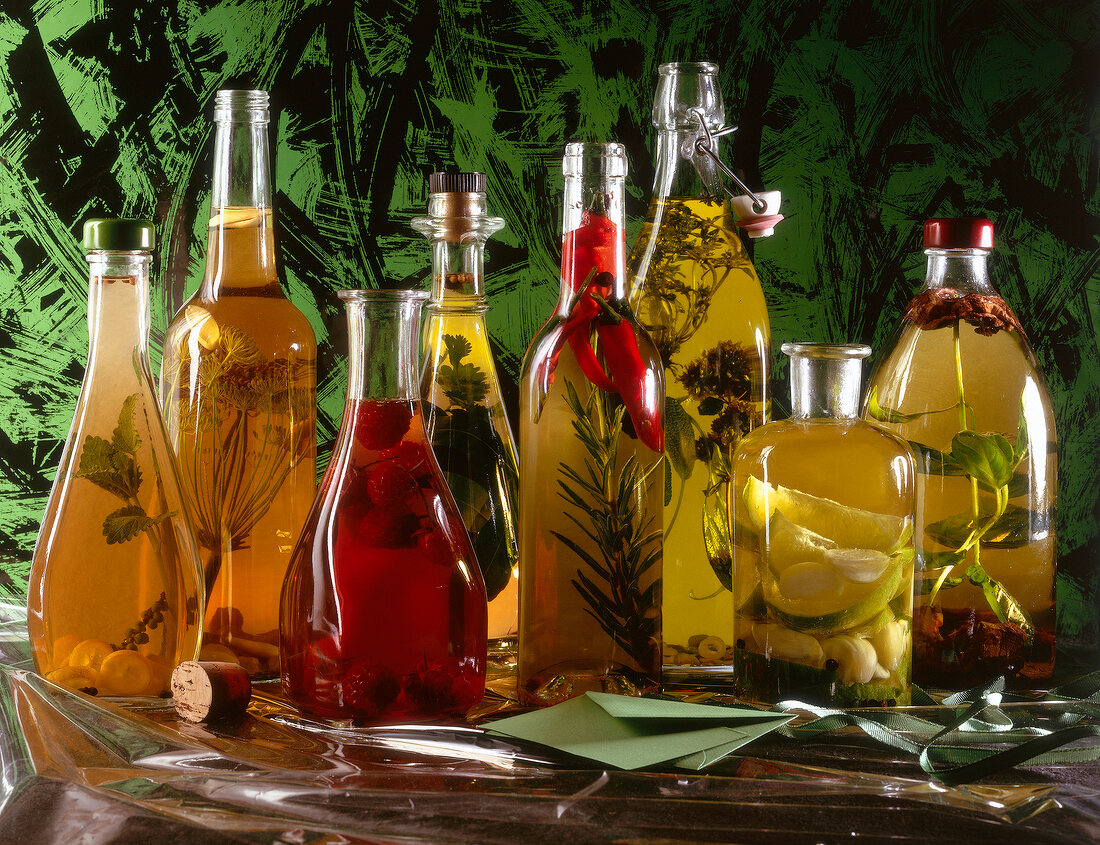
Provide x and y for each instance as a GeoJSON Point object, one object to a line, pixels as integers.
{"type": "Point", "coordinates": [382, 424]}
{"type": "Point", "coordinates": [410, 455]}
{"type": "Point", "coordinates": [434, 546]}
{"type": "Point", "coordinates": [430, 691]}
{"type": "Point", "coordinates": [390, 482]}
{"type": "Point", "coordinates": [369, 688]}
{"type": "Point", "coordinates": [388, 526]}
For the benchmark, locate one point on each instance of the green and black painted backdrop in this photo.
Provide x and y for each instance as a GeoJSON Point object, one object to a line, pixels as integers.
{"type": "Point", "coordinates": [869, 116]}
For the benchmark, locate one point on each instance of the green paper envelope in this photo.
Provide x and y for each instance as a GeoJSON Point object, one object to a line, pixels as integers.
{"type": "Point", "coordinates": [632, 733]}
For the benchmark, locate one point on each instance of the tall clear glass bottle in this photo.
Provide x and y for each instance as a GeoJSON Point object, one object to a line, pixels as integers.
{"type": "Point", "coordinates": [961, 384]}
{"type": "Point", "coordinates": [823, 560]}
{"type": "Point", "coordinates": [238, 384]}
{"type": "Point", "coordinates": [591, 397]}
{"type": "Point", "coordinates": [384, 613]}
{"type": "Point", "coordinates": [115, 601]}
{"type": "Point", "coordinates": [463, 407]}
{"type": "Point", "coordinates": [696, 292]}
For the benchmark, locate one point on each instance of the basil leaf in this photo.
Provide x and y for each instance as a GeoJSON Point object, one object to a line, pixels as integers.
{"type": "Point", "coordinates": [710, 406]}
{"type": "Point", "coordinates": [985, 457]}
{"type": "Point", "coordinates": [934, 462]}
{"type": "Point", "coordinates": [938, 560]}
{"type": "Point", "coordinates": [1019, 451]}
{"type": "Point", "coordinates": [1000, 600]}
{"type": "Point", "coordinates": [679, 438]}
{"type": "Point", "coordinates": [925, 584]}
{"type": "Point", "coordinates": [886, 415]}
{"type": "Point", "coordinates": [1014, 529]}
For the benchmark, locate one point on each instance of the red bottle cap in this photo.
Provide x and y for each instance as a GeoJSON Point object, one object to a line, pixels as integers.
{"type": "Point", "coordinates": [958, 233]}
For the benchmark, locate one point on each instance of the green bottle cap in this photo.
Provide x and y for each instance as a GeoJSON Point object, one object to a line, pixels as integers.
{"type": "Point", "coordinates": [118, 233]}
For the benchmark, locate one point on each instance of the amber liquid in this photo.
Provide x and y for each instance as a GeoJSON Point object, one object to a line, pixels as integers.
{"type": "Point", "coordinates": [239, 396]}
{"type": "Point", "coordinates": [474, 446]}
{"type": "Point", "coordinates": [700, 295]}
{"type": "Point", "coordinates": [564, 650]}
{"type": "Point", "coordinates": [777, 656]}
{"type": "Point", "coordinates": [959, 642]}
{"type": "Point", "coordinates": [87, 595]}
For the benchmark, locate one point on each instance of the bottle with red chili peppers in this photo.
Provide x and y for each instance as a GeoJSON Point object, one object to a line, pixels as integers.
{"type": "Point", "coordinates": [383, 607]}
{"type": "Point", "coordinates": [696, 292]}
{"type": "Point", "coordinates": [591, 438]}
{"type": "Point", "coordinates": [961, 383]}
{"type": "Point", "coordinates": [463, 407]}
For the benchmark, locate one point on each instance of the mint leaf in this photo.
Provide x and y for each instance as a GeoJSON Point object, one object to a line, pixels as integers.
{"type": "Point", "coordinates": [125, 437]}
{"type": "Point", "coordinates": [679, 438]}
{"type": "Point", "coordinates": [989, 458]}
{"type": "Point", "coordinates": [126, 523]}
{"type": "Point", "coordinates": [103, 465]}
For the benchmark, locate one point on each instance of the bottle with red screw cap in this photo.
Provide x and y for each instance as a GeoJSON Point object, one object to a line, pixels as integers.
{"type": "Point", "coordinates": [962, 385]}
{"type": "Point", "coordinates": [463, 406]}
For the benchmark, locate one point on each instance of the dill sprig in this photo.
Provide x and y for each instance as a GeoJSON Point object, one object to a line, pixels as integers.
{"type": "Point", "coordinates": [607, 512]}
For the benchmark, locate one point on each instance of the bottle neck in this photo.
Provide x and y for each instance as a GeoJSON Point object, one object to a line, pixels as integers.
{"type": "Point", "coordinates": [383, 343]}
{"type": "Point", "coordinates": [241, 242]}
{"type": "Point", "coordinates": [964, 270]}
{"type": "Point", "coordinates": [458, 227]}
{"type": "Point", "coordinates": [686, 91]}
{"type": "Point", "coordinates": [681, 170]}
{"type": "Point", "coordinates": [118, 308]}
{"type": "Point", "coordinates": [594, 244]}
{"type": "Point", "coordinates": [825, 380]}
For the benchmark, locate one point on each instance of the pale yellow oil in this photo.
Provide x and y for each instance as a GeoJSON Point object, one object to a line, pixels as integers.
{"type": "Point", "coordinates": [1001, 385]}
{"type": "Point", "coordinates": [239, 393]}
{"type": "Point", "coordinates": [700, 290]}
{"type": "Point", "coordinates": [487, 488]}
{"type": "Point", "coordinates": [856, 465]}
{"type": "Point", "coordinates": [563, 649]}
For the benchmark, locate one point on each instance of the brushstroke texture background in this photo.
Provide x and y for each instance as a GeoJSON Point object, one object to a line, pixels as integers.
{"type": "Point", "coordinates": [869, 115]}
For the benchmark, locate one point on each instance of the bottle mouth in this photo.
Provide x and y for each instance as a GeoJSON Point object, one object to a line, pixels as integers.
{"type": "Point", "coordinates": [383, 297]}
{"type": "Point", "coordinates": [827, 351]}
{"type": "Point", "coordinates": [241, 105]}
{"type": "Point", "coordinates": [670, 68]}
{"type": "Point", "coordinates": [590, 158]}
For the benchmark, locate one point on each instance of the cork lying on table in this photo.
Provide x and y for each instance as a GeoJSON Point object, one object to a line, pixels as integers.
{"type": "Point", "coordinates": [209, 691]}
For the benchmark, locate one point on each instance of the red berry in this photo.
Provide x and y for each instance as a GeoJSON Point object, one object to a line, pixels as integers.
{"type": "Point", "coordinates": [370, 689]}
{"type": "Point", "coordinates": [410, 455]}
{"type": "Point", "coordinates": [388, 526]}
{"type": "Point", "coordinates": [382, 424]}
{"type": "Point", "coordinates": [430, 691]}
{"type": "Point", "coordinates": [434, 546]}
{"type": "Point", "coordinates": [390, 482]}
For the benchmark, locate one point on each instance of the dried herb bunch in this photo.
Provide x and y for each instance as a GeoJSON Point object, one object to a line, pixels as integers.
{"type": "Point", "coordinates": [721, 381]}
{"type": "Point", "coordinates": [932, 309]}
{"type": "Point", "coordinates": [250, 424]}
{"type": "Point", "coordinates": [602, 502]}
{"type": "Point", "coordinates": [679, 300]}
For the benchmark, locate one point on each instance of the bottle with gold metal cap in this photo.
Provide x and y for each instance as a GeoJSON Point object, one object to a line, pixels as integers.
{"type": "Point", "coordinates": [463, 408]}
{"type": "Point", "coordinates": [114, 600]}
{"type": "Point", "coordinates": [239, 395]}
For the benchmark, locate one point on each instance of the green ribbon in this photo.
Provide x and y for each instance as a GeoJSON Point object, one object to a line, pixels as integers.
{"type": "Point", "coordinates": [953, 764]}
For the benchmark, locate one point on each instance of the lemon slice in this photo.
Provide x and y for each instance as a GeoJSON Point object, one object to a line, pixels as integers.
{"type": "Point", "coordinates": [90, 653]}
{"type": "Point", "coordinates": [73, 677]}
{"type": "Point", "coordinates": [789, 544]}
{"type": "Point", "coordinates": [845, 526]}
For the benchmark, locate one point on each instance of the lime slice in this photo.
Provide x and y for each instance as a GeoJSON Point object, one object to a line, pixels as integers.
{"type": "Point", "coordinates": [833, 610]}
{"type": "Point", "coordinates": [789, 544]}
{"type": "Point", "coordinates": [847, 527]}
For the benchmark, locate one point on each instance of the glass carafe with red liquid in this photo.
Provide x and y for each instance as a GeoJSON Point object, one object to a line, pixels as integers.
{"type": "Point", "coordinates": [383, 610]}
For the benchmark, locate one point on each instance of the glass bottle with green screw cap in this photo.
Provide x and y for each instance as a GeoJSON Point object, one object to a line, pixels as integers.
{"type": "Point", "coordinates": [695, 291]}
{"type": "Point", "coordinates": [823, 545]}
{"type": "Point", "coordinates": [115, 601]}
{"type": "Point", "coordinates": [961, 384]}
{"type": "Point", "coordinates": [239, 396]}
{"type": "Point", "coordinates": [463, 408]}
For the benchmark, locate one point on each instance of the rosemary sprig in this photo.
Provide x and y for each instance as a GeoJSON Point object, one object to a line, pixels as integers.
{"type": "Point", "coordinates": [603, 503]}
